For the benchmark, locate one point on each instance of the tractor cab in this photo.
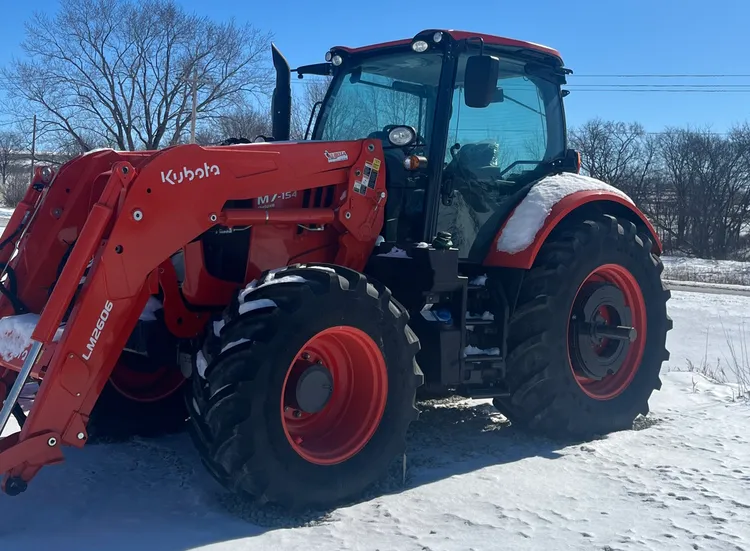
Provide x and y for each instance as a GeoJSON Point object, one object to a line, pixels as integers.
{"type": "Point", "coordinates": [467, 123]}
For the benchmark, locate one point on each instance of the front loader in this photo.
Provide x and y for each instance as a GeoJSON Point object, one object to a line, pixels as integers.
{"type": "Point", "coordinates": [288, 300]}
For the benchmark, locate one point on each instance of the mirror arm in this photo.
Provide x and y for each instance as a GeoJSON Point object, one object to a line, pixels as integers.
{"type": "Point", "coordinates": [481, 43]}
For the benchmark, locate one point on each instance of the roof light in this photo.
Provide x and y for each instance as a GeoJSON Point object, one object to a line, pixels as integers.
{"type": "Point", "coordinates": [329, 56]}
{"type": "Point", "coordinates": [337, 60]}
{"type": "Point", "coordinates": [419, 46]}
{"type": "Point", "coordinates": [437, 37]}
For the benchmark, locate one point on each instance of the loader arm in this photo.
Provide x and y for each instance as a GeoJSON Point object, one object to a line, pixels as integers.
{"type": "Point", "coordinates": [147, 211]}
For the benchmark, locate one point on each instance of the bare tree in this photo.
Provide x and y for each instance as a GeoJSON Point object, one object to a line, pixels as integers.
{"type": "Point", "coordinates": [242, 122]}
{"type": "Point", "coordinates": [14, 168]}
{"type": "Point", "coordinates": [10, 154]}
{"type": "Point", "coordinates": [710, 184]}
{"type": "Point", "coordinates": [618, 153]}
{"type": "Point", "coordinates": [693, 184]}
{"type": "Point", "coordinates": [15, 185]}
{"type": "Point", "coordinates": [121, 72]}
{"type": "Point", "coordinates": [313, 92]}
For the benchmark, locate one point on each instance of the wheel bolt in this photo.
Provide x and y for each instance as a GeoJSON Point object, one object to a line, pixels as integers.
{"type": "Point", "coordinates": [297, 413]}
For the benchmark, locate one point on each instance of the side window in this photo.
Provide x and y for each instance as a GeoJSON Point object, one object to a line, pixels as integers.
{"type": "Point", "coordinates": [514, 125]}
{"type": "Point", "coordinates": [492, 151]}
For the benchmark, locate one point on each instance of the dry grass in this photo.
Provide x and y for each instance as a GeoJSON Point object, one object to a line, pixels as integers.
{"type": "Point", "coordinates": [739, 361]}
{"type": "Point", "coordinates": [702, 275]}
{"type": "Point", "coordinates": [734, 370]}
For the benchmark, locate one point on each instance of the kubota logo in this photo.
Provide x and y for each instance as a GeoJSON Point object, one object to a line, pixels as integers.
{"type": "Point", "coordinates": [186, 175]}
{"type": "Point", "coordinates": [97, 332]}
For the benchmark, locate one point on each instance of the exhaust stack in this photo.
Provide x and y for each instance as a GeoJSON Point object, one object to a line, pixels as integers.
{"type": "Point", "coordinates": [281, 104]}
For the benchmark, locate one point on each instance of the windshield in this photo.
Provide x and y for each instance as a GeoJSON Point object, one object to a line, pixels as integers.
{"type": "Point", "coordinates": [394, 89]}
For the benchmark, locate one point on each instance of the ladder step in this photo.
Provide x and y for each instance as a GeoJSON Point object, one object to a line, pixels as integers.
{"type": "Point", "coordinates": [479, 321]}
{"type": "Point", "coordinates": [483, 393]}
{"type": "Point", "coordinates": [482, 358]}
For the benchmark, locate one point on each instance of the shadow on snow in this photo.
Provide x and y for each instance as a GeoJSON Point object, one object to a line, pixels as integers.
{"type": "Point", "coordinates": [155, 494]}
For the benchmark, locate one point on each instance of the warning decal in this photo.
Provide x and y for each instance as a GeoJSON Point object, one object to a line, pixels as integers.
{"type": "Point", "coordinates": [360, 188]}
{"type": "Point", "coordinates": [373, 176]}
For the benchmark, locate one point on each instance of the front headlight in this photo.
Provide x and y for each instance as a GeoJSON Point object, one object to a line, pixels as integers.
{"type": "Point", "coordinates": [402, 136]}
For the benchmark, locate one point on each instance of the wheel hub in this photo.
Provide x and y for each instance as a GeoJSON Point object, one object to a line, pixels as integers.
{"type": "Point", "coordinates": [313, 389]}
{"type": "Point", "coordinates": [602, 331]}
{"type": "Point", "coordinates": [334, 395]}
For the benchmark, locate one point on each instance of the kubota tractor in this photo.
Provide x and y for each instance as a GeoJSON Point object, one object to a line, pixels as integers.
{"type": "Point", "coordinates": [288, 299]}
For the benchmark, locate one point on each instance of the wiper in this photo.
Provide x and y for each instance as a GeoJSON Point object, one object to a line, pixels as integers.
{"type": "Point", "coordinates": [516, 163]}
{"type": "Point", "coordinates": [547, 165]}
{"type": "Point", "coordinates": [524, 105]}
{"type": "Point", "coordinates": [419, 90]}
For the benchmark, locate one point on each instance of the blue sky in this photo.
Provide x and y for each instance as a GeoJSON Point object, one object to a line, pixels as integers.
{"type": "Point", "coordinates": [601, 37]}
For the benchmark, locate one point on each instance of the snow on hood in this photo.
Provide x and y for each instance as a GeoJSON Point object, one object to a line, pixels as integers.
{"type": "Point", "coordinates": [529, 216]}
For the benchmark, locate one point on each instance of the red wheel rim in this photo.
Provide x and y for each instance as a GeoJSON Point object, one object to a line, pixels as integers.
{"type": "Point", "coordinates": [142, 385]}
{"type": "Point", "coordinates": [611, 386]}
{"type": "Point", "coordinates": [356, 403]}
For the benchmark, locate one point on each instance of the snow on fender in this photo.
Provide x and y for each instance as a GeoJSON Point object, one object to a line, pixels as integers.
{"type": "Point", "coordinates": [521, 229]}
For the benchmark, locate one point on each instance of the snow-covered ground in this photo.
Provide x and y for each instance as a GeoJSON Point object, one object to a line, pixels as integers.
{"type": "Point", "coordinates": [681, 482]}
{"type": "Point", "coordinates": [708, 271]}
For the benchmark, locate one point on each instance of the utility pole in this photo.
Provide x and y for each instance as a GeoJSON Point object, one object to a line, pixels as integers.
{"type": "Point", "coordinates": [33, 148]}
{"type": "Point", "coordinates": [195, 106]}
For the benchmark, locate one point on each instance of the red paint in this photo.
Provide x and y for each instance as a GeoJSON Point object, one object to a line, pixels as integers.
{"type": "Point", "coordinates": [613, 385]}
{"type": "Point", "coordinates": [356, 405]}
{"type": "Point", "coordinates": [525, 258]}
{"type": "Point", "coordinates": [93, 201]}
{"type": "Point", "coordinates": [461, 35]}
{"type": "Point", "coordinates": [144, 386]}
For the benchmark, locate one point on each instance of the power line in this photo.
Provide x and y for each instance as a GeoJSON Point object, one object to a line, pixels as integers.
{"type": "Point", "coordinates": [661, 90]}
{"type": "Point", "coordinates": [684, 85]}
{"type": "Point", "coordinates": [663, 75]}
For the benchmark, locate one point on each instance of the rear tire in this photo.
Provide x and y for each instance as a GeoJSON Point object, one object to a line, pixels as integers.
{"type": "Point", "coordinates": [139, 403]}
{"type": "Point", "coordinates": [549, 391]}
{"type": "Point", "coordinates": [248, 439]}
{"type": "Point", "coordinates": [116, 417]}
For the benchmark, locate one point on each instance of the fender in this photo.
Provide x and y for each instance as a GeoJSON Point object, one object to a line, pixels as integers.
{"type": "Point", "coordinates": [524, 258]}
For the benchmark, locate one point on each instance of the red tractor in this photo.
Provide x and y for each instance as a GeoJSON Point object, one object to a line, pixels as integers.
{"type": "Point", "coordinates": [287, 300]}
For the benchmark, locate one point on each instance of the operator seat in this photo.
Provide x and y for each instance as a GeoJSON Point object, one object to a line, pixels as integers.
{"type": "Point", "coordinates": [474, 173]}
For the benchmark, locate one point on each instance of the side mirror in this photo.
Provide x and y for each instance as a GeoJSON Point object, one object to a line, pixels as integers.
{"type": "Point", "coordinates": [480, 80]}
{"type": "Point", "coordinates": [572, 161]}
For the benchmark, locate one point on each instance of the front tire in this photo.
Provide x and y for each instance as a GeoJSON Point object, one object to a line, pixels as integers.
{"type": "Point", "coordinates": [346, 344]}
{"type": "Point", "coordinates": [564, 379]}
